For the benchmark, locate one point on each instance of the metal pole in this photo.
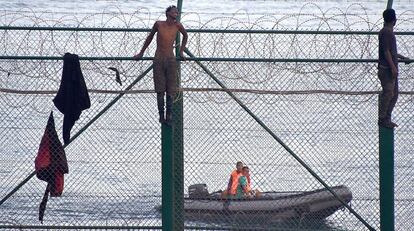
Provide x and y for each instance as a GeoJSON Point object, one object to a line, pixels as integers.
{"type": "Point", "coordinates": [386, 174]}
{"type": "Point", "coordinates": [212, 59]}
{"type": "Point", "coordinates": [178, 142]}
{"type": "Point", "coordinates": [167, 177]}
{"type": "Point", "coordinates": [200, 30]}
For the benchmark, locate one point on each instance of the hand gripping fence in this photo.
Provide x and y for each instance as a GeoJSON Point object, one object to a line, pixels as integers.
{"type": "Point", "coordinates": [297, 158]}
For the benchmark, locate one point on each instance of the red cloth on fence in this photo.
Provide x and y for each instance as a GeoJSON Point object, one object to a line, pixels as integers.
{"type": "Point", "coordinates": [50, 164]}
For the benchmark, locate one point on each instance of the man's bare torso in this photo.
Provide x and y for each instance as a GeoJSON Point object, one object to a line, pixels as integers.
{"type": "Point", "coordinates": [166, 35]}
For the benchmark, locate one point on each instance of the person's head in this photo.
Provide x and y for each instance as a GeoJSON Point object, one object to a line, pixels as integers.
{"type": "Point", "coordinates": [239, 166]}
{"type": "Point", "coordinates": [389, 16]}
{"type": "Point", "coordinates": [171, 12]}
{"type": "Point", "coordinates": [245, 171]}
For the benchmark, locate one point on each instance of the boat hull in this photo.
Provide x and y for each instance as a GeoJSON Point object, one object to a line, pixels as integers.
{"type": "Point", "coordinates": [271, 207]}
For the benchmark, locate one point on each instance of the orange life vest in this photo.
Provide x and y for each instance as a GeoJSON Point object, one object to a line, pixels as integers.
{"type": "Point", "coordinates": [234, 181]}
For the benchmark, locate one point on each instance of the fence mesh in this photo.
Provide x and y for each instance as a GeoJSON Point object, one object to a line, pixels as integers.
{"type": "Point", "coordinates": [325, 112]}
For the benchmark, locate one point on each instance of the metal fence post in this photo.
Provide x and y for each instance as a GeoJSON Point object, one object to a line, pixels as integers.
{"type": "Point", "coordinates": [178, 144]}
{"type": "Point", "coordinates": [167, 178]}
{"type": "Point", "coordinates": [178, 165]}
{"type": "Point", "coordinates": [386, 167]}
{"type": "Point", "coordinates": [386, 174]}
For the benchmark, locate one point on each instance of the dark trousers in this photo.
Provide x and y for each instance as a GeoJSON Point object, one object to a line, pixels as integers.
{"type": "Point", "coordinates": [160, 103]}
{"type": "Point", "coordinates": [389, 95]}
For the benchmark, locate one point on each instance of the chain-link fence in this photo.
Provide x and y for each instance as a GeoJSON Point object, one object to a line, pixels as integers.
{"type": "Point", "coordinates": [315, 92]}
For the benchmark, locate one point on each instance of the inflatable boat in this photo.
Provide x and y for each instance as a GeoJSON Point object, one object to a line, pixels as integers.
{"type": "Point", "coordinates": [270, 206]}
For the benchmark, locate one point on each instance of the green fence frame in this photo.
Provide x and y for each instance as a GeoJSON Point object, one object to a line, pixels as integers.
{"type": "Point", "coordinates": [172, 137]}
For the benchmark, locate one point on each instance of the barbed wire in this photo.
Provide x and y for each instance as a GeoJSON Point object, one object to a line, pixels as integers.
{"type": "Point", "coordinates": [354, 16]}
{"type": "Point", "coordinates": [43, 76]}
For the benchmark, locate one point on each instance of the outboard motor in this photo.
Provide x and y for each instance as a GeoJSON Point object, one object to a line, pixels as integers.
{"type": "Point", "coordinates": [197, 191]}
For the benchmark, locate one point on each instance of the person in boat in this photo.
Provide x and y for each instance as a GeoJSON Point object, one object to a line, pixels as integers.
{"type": "Point", "coordinates": [247, 190]}
{"type": "Point", "coordinates": [165, 66]}
{"type": "Point", "coordinates": [246, 173]}
{"type": "Point", "coordinates": [243, 186]}
{"type": "Point", "coordinates": [239, 185]}
{"type": "Point", "coordinates": [233, 181]}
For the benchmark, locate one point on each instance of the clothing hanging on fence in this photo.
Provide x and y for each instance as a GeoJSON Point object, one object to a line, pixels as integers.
{"type": "Point", "coordinates": [72, 97]}
{"type": "Point", "coordinates": [50, 164]}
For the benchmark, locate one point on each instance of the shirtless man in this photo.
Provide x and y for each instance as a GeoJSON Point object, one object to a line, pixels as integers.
{"type": "Point", "coordinates": [165, 66]}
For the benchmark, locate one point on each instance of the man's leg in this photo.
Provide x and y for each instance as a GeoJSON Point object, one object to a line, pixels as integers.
{"type": "Point", "coordinates": [168, 115]}
{"type": "Point", "coordinates": [160, 86]}
{"type": "Point", "coordinates": [171, 88]}
{"type": "Point", "coordinates": [393, 101]}
{"type": "Point", "coordinates": [387, 94]}
{"type": "Point", "coordinates": [160, 104]}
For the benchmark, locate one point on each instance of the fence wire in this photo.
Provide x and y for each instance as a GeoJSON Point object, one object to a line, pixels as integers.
{"type": "Point", "coordinates": [325, 112]}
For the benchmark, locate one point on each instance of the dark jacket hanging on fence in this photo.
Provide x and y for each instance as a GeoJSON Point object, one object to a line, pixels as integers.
{"type": "Point", "coordinates": [72, 97]}
{"type": "Point", "coordinates": [50, 164]}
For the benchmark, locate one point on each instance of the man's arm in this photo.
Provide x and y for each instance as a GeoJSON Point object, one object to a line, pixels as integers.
{"type": "Point", "coordinates": [388, 57]}
{"type": "Point", "coordinates": [147, 41]}
{"type": "Point", "coordinates": [401, 56]}
{"type": "Point", "coordinates": [404, 58]}
{"type": "Point", "coordinates": [185, 38]}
